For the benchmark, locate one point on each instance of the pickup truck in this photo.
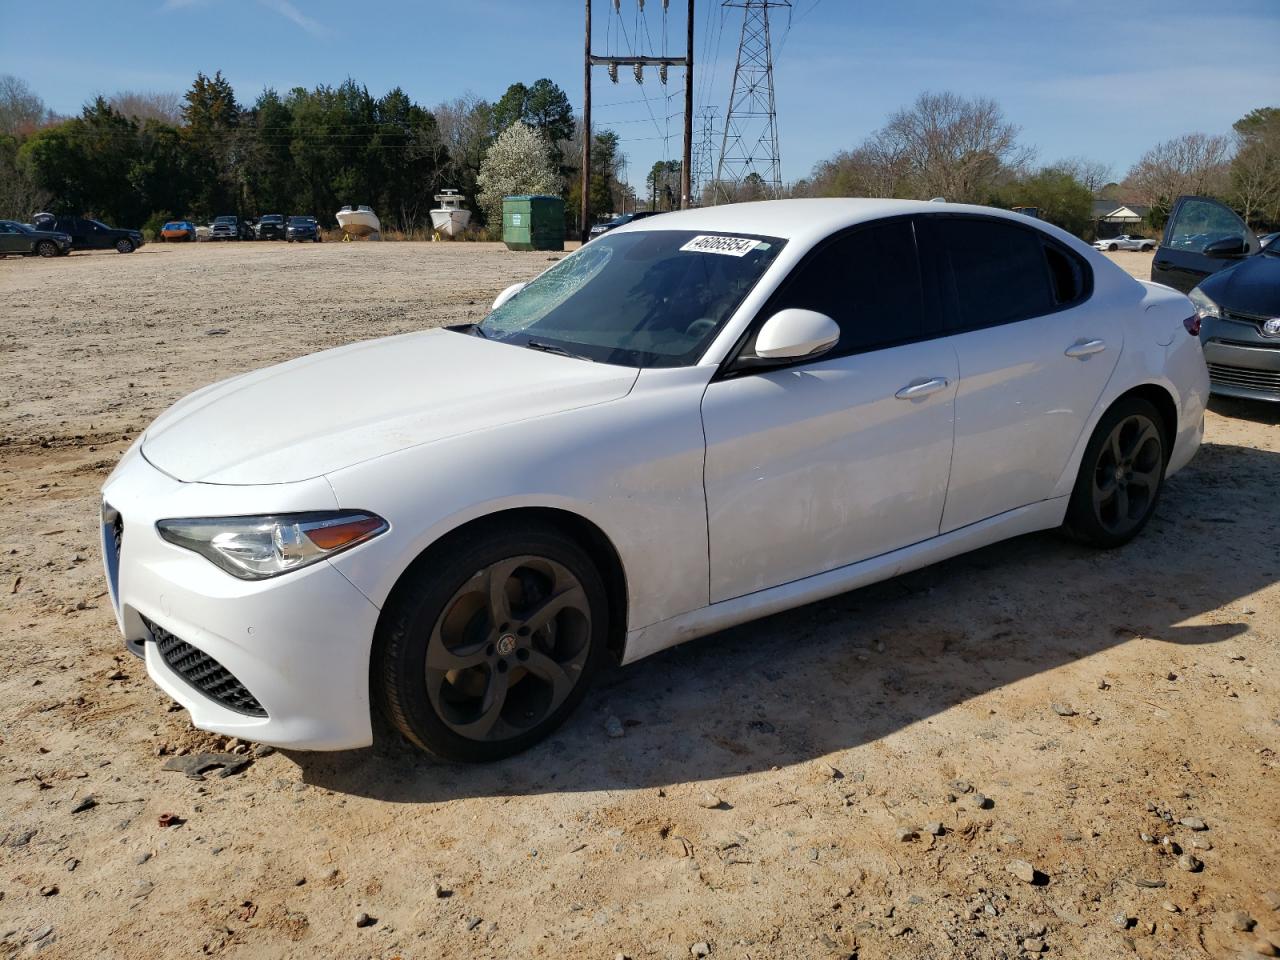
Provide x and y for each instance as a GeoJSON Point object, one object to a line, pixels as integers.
{"type": "Point", "coordinates": [90, 234]}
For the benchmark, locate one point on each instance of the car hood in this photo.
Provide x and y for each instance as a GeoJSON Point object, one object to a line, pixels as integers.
{"type": "Point", "coordinates": [319, 413]}
{"type": "Point", "coordinates": [1251, 287]}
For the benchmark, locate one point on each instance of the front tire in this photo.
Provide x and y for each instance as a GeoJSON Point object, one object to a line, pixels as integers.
{"type": "Point", "coordinates": [487, 648]}
{"type": "Point", "coordinates": [47, 248]}
{"type": "Point", "coordinates": [1113, 247]}
{"type": "Point", "coordinates": [124, 246]}
{"type": "Point", "coordinates": [1121, 475]}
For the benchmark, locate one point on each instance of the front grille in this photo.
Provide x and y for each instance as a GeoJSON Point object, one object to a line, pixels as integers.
{"type": "Point", "coordinates": [203, 673]}
{"type": "Point", "coordinates": [1265, 381]}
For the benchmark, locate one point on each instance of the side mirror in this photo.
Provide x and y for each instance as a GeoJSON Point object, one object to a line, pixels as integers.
{"type": "Point", "coordinates": [1226, 248]}
{"type": "Point", "coordinates": [793, 333]}
{"type": "Point", "coordinates": [506, 295]}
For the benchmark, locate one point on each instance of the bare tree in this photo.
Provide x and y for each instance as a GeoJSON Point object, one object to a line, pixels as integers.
{"type": "Point", "coordinates": [21, 109]}
{"type": "Point", "coordinates": [1255, 170]}
{"type": "Point", "coordinates": [953, 146]}
{"type": "Point", "coordinates": [1092, 174]}
{"type": "Point", "coordinates": [1195, 163]}
{"type": "Point", "coordinates": [148, 105]}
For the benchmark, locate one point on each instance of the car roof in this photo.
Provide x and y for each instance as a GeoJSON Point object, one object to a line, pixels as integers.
{"type": "Point", "coordinates": [810, 219]}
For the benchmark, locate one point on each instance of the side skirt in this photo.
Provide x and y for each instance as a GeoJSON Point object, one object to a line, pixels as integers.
{"type": "Point", "coordinates": [728, 613]}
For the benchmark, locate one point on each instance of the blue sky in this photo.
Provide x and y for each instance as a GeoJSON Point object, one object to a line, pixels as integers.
{"type": "Point", "coordinates": [1099, 78]}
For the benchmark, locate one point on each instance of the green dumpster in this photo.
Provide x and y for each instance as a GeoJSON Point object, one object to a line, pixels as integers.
{"type": "Point", "coordinates": [533, 222]}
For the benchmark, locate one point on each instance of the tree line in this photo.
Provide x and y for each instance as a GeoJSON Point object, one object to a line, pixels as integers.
{"type": "Point", "coordinates": [139, 158]}
{"type": "Point", "coordinates": [966, 150]}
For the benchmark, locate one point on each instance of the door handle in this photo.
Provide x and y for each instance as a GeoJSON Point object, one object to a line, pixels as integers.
{"type": "Point", "coordinates": [920, 389]}
{"type": "Point", "coordinates": [1083, 349]}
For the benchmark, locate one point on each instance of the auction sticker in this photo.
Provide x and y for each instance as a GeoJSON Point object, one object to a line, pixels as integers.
{"type": "Point", "coordinates": [729, 246]}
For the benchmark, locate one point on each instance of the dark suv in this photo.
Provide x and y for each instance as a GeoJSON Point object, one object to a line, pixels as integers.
{"type": "Point", "coordinates": [303, 228]}
{"type": "Point", "coordinates": [270, 227]}
{"type": "Point", "coordinates": [90, 234]}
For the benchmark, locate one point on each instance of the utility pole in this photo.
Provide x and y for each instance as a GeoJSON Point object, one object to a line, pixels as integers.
{"type": "Point", "coordinates": [750, 144]}
{"type": "Point", "coordinates": [639, 62]}
{"type": "Point", "coordinates": [584, 214]}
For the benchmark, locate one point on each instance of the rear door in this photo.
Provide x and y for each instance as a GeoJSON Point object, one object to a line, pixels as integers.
{"type": "Point", "coordinates": [1034, 355]}
{"type": "Point", "coordinates": [13, 240]}
{"type": "Point", "coordinates": [1194, 223]}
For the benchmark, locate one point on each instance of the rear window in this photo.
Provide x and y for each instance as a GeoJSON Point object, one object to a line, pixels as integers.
{"type": "Point", "coordinates": [1070, 275]}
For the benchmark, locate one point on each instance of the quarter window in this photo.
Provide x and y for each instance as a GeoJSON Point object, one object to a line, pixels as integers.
{"type": "Point", "coordinates": [867, 281]}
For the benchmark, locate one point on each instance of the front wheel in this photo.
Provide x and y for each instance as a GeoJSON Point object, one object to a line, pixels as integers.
{"type": "Point", "coordinates": [490, 646]}
{"type": "Point", "coordinates": [1113, 247]}
{"type": "Point", "coordinates": [1120, 477]}
{"type": "Point", "coordinates": [47, 248]}
{"type": "Point", "coordinates": [124, 246]}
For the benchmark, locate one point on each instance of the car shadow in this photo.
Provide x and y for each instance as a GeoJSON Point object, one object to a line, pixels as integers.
{"type": "Point", "coordinates": [1257, 411]}
{"type": "Point", "coordinates": [847, 671]}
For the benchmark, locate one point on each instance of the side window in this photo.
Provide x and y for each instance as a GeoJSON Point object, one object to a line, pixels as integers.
{"type": "Point", "coordinates": [867, 281]}
{"type": "Point", "coordinates": [1199, 223]}
{"type": "Point", "coordinates": [997, 271]}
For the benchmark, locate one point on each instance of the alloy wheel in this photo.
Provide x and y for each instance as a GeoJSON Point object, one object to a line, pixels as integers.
{"type": "Point", "coordinates": [1126, 476]}
{"type": "Point", "coordinates": [509, 648]}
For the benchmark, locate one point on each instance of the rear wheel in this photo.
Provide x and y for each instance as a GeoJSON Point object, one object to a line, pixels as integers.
{"type": "Point", "coordinates": [124, 245]}
{"type": "Point", "coordinates": [1120, 477]}
{"type": "Point", "coordinates": [47, 248]}
{"type": "Point", "coordinates": [489, 648]}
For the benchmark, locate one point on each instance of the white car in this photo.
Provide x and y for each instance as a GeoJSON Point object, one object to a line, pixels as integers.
{"type": "Point", "coordinates": [1125, 242]}
{"type": "Point", "coordinates": [691, 422]}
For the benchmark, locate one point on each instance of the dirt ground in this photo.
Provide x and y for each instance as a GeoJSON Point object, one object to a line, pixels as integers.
{"type": "Point", "coordinates": [1094, 699]}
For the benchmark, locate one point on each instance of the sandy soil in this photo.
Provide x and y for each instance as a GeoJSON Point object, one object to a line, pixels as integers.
{"type": "Point", "coordinates": [824, 731]}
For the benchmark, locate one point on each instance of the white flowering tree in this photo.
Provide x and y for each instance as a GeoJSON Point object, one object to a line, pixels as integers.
{"type": "Point", "coordinates": [519, 162]}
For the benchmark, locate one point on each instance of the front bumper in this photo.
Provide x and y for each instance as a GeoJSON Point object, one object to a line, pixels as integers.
{"type": "Point", "coordinates": [298, 643]}
{"type": "Point", "coordinates": [1242, 362]}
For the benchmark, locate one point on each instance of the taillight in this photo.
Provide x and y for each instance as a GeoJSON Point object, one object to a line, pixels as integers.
{"type": "Point", "coordinates": [1192, 323]}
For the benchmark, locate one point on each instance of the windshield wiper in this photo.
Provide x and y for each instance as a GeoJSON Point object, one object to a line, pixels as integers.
{"type": "Point", "coordinates": [558, 351]}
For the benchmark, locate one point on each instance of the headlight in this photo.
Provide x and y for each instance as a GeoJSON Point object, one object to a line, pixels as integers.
{"type": "Point", "coordinates": [255, 548]}
{"type": "Point", "coordinates": [1205, 308]}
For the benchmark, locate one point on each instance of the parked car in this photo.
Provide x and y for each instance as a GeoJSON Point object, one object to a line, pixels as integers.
{"type": "Point", "coordinates": [270, 227]}
{"type": "Point", "coordinates": [23, 240]}
{"type": "Point", "coordinates": [303, 228]}
{"type": "Point", "coordinates": [690, 422]}
{"type": "Point", "coordinates": [230, 228]}
{"type": "Point", "coordinates": [1238, 305]}
{"type": "Point", "coordinates": [620, 221]}
{"type": "Point", "coordinates": [202, 231]}
{"type": "Point", "coordinates": [181, 231]}
{"type": "Point", "coordinates": [1125, 242]}
{"type": "Point", "coordinates": [90, 234]}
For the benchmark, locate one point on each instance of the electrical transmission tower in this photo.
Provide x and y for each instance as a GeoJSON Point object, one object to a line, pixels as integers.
{"type": "Point", "coordinates": [750, 142]}
{"type": "Point", "coordinates": [704, 154]}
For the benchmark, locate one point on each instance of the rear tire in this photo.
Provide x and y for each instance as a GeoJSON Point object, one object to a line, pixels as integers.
{"type": "Point", "coordinates": [47, 248]}
{"type": "Point", "coordinates": [124, 246]}
{"type": "Point", "coordinates": [486, 649]}
{"type": "Point", "coordinates": [1121, 475]}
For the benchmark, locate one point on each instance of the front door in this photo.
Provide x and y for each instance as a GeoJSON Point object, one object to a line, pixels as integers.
{"type": "Point", "coordinates": [1034, 356]}
{"type": "Point", "coordinates": [1194, 223]}
{"type": "Point", "coordinates": [824, 463]}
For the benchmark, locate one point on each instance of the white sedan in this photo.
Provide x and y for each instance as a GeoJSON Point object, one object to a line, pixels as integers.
{"type": "Point", "coordinates": [1125, 242]}
{"type": "Point", "coordinates": [693, 421]}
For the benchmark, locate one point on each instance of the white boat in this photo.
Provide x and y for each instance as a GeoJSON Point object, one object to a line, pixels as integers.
{"type": "Point", "coordinates": [359, 222]}
{"type": "Point", "coordinates": [450, 219]}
